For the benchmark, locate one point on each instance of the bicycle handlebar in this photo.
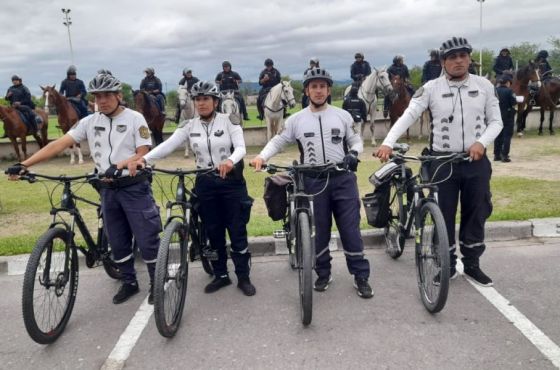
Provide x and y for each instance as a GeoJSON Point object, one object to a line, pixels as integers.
{"type": "Point", "coordinates": [180, 171]}
{"type": "Point", "coordinates": [273, 168]}
{"type": "Point", "coordinates": [455, 157]}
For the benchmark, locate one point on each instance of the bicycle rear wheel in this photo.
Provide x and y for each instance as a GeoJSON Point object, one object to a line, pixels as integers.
{"type": "Point", "coordinates": [432, 258]}
{"type": "Point", "coordinates": [394, 231]}
{"type": "Point", "coordinates": [171, 276]}
{"type": "Point", "coordinates": [305, 256]}
{"type": "Point", "coordinates": [49, 286]}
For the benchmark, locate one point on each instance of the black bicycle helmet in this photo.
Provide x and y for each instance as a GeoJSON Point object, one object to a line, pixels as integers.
{"type": "Point", "coordinates": [268, 62]}
{"type": "Point", "coordinates": [16, 78]}
{"type": "Point", "coordinates": [543, 54]}
{"type": "Point", "coordinates": [71, 71]}
{"type": "Point", "coordinates": [225, 63]}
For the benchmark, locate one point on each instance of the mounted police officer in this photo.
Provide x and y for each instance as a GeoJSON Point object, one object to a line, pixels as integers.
{"type": "Point", "coordinates": [230, 80]}
{"type": "Point", "coordinates": [20, 98]}
{"type": "Point", "coordinates": [117, 138]}
{"type": "Point", "coordinates": [313, 63]}
{"type": "Point", "coordinates": [465, 118]}
{"type": "Point", "coordinates": [360, 69]}
{"type": "Point", "coordinates": [268, 78]}
{"type": "Point", "coordinates": [355, 106]}
{"type": "Point", "coordinates": [152, 85]}
{"type": "Point", "coordinates": [187, 80]}
{"type": "Point", "coordinates": [224, 202]}
{"type": "Point", "coordinates": [545, 70]}
{"type": "Point", "coordinates": [75, 91]}
{"type": "Point", "coordinates": [503, 63]}
{"type": "Point", "coordinates": [432, 67]}
{"type": "Point", "coordinates": [508, 102]}
{"type": "Point", "coordinates": [325, 134]}
{"type": "Point", "coordinates": [398, 68]}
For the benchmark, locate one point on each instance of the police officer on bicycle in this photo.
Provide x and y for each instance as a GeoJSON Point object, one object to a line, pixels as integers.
{"type": "Point", "coordinates": [117, 138]}
{"type": "Point", "coordinates": [224, 202]}
{"type": "Point", "coordinates": [325, 134]}
{"type": "Point", "coordinates": [465, 118]}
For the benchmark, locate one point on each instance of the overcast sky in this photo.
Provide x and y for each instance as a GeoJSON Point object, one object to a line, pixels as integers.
{"type": "Point", "coordinates": [127, 36]}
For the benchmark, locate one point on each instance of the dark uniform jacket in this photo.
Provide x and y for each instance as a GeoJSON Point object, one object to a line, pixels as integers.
{"type": "Point", "coordinates": [356, 107]}
{"type": "Point", "coordinates": [358, 71]}
{"type": "Point", "coordinates": [150, 84]}
{"type": "Point", "coordinates": [72, 88]}
{"type": "Point", "coordinates": [228, 80]}
{"type": "Point", "coordinates": [506, 97]}
{"type": "Point", "coordinates": [190, 81]}
{"type": "Point", "coordinates": [274, 78]}
{"type": "Point", "coordinates": [431, 71]}
{"type": "Point", "coordinates": [20, 94]}
{"type": "Point", "coordinates": [502, 64]}
{"type": "Point", "coordinates": [544, 67]}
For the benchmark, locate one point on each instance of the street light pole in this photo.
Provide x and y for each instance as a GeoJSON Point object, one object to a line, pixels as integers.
{"type": "Point", "coordinates": [480, 53]}
{"type": "Point", "coordinates": [67, 22]}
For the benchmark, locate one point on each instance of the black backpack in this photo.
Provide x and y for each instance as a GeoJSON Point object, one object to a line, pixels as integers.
{"type": "Point", "coordinates": [275, 196]}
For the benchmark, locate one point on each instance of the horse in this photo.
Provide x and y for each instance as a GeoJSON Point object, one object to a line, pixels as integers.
{"type": "Point", "coordinates": [547, 99]}
{"type": "Point", "coordinates": [188, 111]}
{"type": "Point", "coordinates": [15, 128]}
{"type": "Point", "coordinates": [279, 96]}
{"type": "Point", "coordinates": [521, 81]}
{"type": "Point", "coordinates": [66, 114]}
{"type": "Point", "coordinates": [377, 80]}
{"type": "Point", "coordinates": [230, 105]}
{"type": "Point", "coordinates": [146, 104]}
{"type": "Point", "coordinates": [400, 101]}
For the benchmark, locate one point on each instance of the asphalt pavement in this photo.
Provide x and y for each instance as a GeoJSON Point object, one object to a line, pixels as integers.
{"type": "Point", "coordinates": [227, 330]}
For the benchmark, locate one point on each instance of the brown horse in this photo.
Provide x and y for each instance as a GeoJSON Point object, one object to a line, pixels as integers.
{"type": "Point", "coordinates": [547, 99]}
{"type": "Point", "coordinates": [15, 128]}
{"type": "Point", "coordinates": [521, 81]}
{"type": "Point", "coordinates": [400, 101]}
{"type": "Point", "coordinates": [145, 104]}
{"type": "Point", "coordinates": [67, 116]}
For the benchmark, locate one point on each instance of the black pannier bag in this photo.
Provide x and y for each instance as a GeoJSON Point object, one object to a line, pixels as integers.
{"type": "Point", "coordinates": [275, 196]}
{"type": "Point", "coordinates": [376, 204]}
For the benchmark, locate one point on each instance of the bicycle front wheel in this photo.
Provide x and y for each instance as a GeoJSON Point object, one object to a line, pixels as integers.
{"type": "Point", "coordinates": [305, 267]}
{"type": "Point", "coordinates": [432, 258]}
{"type": "Point", "coordinates": [109, 264]}
{"type": "Point", "coordinates": [394, 231]}
{"type": "Point", "coordinates": [171, 276]}
{"type": "Point", "coordinates": [49, 286]}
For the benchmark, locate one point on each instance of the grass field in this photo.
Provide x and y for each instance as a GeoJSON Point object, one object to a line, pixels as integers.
{"type": "Point", "coordinates": [529, 187]}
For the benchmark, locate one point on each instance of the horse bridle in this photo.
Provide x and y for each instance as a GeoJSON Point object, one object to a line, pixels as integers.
{"type": "Point", "coordinates": [284, 101]}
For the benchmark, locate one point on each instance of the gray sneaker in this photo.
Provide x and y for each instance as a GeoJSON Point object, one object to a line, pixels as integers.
{"type": "Point", "coordinates": [322, 283]}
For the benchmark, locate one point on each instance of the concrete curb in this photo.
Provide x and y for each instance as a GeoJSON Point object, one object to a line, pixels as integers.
{"type": "Point", "coordinates": [373, 238]}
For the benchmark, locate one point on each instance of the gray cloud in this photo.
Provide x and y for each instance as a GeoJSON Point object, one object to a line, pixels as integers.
{"type": "Point", "coordinates": [127, 36]}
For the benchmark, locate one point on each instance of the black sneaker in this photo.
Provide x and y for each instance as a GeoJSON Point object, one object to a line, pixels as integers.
{"type": "Point", "coordinates": [246, 118]}
{"type": "Point", "coordinates": [244, 283]}
{"type": "Point", "coordinates": [260, 118]}
{"type": "Point", "coordinates": [363, 288]}
{"type": "Point", "coordinates": [322, 283]}
{"type": "Point", "coordinates": [506, 159]}
{"type": "Point", "coordinates": [151, 295]}
{"type": "Point", "coordinates": [479, 277]}
{"type": "Point", "coordinates": [497, 158]}
{"type": "Point", "coordinates": [217, 284]}
{"type": "Point", "coordinates": [385, 114]}
{"type": "Point", "coordinates": [125, 292]}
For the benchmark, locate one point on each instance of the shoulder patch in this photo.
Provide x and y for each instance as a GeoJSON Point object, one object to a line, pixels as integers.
{"type": "Point", "coordinates": [418, 92]}
{"type": "Point", "coordinates": [144, 132]}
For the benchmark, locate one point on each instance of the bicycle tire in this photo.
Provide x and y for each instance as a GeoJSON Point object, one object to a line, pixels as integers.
{"type": "Point", "coordinates": [109, 265]}
{"type": "Point", "coordinates": [41, 329]}
{"type": "Point", "coordinates": [305, 268]}
{"type": "Point", "coordinates": [292, 259]}
{"type": "Point", "coordinates": [432, 249]}
{"type": "Point", "coordinates": [395, 237]}
{"type": "Point", "coordinates": [170, 288]}
{"type": "Point", "coordinates": [195, 250]}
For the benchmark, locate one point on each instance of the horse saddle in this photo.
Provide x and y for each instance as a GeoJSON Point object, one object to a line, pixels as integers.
{"type": "Point", "coordinates": [76, 104]}
{"type": "Point", "coordinates": [31, 120]}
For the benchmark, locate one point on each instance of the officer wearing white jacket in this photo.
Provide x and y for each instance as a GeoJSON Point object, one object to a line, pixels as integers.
{"type": "Point", "coordinates": [465, 118]}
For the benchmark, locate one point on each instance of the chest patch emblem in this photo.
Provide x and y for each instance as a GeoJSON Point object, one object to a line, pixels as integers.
{"type": "Point", "coordinates": [144, 132]}
{"type": "Point", "coordinates": [219, 133]}
{"type": "Point", "coordinates": [473, 94]}
{"type": "Point", "coordinates": [121, 128]}
{"type": "Point", "coordinates": [195, 134]}
{"type": "Point", "coordinates": [309, 134]}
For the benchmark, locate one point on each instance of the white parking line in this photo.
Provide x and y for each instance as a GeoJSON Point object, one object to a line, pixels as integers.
{"type": "Point", "coordinates": [539, 339]}
{"type": "Point", "coordinates": [129, 337]}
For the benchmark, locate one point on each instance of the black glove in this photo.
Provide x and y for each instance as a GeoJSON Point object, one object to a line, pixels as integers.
{"type": "Point", "coordinates": [16, 169]}
{"type": "Point", "coordinates": [112, 172]}
{"type": "Point", "coordinates": [351, 161]}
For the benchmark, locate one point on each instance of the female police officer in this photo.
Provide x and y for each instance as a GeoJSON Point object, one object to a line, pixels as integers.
{"type": "Point", "coordinates": [117, 137]}
{"type": "Point", "coordinates": [225, 204]}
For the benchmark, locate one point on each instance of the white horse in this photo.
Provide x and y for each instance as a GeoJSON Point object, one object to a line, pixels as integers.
{"type": "Point", "coordinates": [188, 111]}
{"type": "Point", "coordinates": [377, 80]}
{"type": "Point", "coordinates": [279, 96]}
{"type": "Point", "coordinates": [230, 105]}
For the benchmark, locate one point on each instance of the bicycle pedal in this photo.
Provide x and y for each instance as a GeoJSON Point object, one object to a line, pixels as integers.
{"type": "Point", "coordinates": [279, 234]}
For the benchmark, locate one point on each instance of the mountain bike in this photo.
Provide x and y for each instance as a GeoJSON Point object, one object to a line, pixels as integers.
{"type": "Point", "coordinates": [184, 238]}
{"type": "Point", "coordinates": [413, 213]}
{"type": "Point", "coordinates": [299, 227]}
{"type": "Point", "coordinates": [50, 283]}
